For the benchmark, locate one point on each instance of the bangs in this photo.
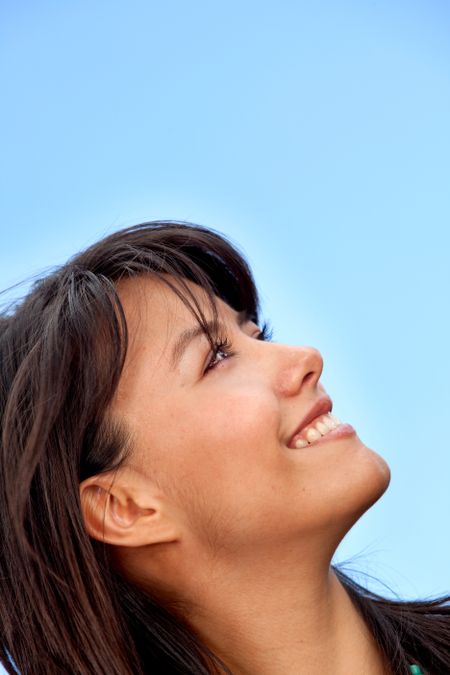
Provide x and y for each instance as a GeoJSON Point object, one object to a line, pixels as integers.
{"type": "Point", "coordinates": [184, 252]}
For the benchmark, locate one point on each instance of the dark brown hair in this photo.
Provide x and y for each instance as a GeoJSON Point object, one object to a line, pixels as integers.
{"type": "Point", "coordinates": [63, 606]}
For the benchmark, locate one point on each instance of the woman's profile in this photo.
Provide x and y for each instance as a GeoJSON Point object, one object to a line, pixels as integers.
{"type": "Point", "coordinates": [174, 484]}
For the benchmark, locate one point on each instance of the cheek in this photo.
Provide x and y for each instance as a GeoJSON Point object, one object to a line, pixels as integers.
{"type": "Point", "coordinates": [245, 418]}
{"type": "Point", "coordinates": [213, 436]}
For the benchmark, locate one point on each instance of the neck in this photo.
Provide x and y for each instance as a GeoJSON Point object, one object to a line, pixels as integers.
{"type": "Point", "coordinates": [272, 617]}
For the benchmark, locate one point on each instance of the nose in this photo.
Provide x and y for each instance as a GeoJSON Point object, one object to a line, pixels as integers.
{"type": "Point", "coordinates": [299, 369]}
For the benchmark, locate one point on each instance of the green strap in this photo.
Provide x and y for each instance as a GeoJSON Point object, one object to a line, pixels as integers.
{"type": "Point", "coordinates": [415, 670]}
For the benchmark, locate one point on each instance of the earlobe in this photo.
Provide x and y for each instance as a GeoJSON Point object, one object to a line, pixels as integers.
{"type": "Point", "coordinates": [123, 510]}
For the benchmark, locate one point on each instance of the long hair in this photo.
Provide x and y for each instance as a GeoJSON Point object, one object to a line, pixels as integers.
{"type": "Point", "coordinates": [63, 606]}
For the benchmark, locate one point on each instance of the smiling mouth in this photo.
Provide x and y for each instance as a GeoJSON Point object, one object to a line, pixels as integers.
{"type": "Point", "coordinates": [324, 427]}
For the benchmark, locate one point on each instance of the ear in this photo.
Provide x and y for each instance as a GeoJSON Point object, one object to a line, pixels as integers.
{"type": "Point", "coordinates": [124, 508]}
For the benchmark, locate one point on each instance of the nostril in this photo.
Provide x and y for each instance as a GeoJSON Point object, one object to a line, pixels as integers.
{"type": "Point", "coordinates": [309, 376]}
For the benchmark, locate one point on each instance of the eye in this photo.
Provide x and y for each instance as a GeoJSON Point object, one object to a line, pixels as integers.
{"type": "Point", "coordinates": [266, 332]}
{"type": "Point", "coordinates": [221, 347]}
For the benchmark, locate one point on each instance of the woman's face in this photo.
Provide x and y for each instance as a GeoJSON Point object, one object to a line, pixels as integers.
{"type": "Point", "coordinates": [212, 429]}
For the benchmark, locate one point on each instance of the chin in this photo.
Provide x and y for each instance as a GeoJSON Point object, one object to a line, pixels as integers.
{"type": "Point", "coordinates": [379, 468]}
{"type": "Point", "coordinates": [367, 475]}
{"type": "Point", "coordinates": [374, 476]}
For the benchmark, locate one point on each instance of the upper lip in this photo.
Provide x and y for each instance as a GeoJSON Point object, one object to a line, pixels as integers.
{"type": "Point", "coordinates": [322, 406]}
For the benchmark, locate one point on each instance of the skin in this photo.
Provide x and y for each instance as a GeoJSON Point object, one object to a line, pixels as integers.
{"type": "Point", "coordinates": [213, 511]}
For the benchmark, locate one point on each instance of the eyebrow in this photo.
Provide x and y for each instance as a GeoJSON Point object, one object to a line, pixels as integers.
{"type": "Point", "coordinates": [187, 336]}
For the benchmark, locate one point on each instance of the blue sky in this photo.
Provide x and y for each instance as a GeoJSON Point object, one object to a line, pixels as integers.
{"type": "Point", "coordinates": [315, 136]}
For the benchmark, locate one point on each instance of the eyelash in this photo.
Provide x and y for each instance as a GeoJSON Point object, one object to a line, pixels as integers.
{"type": "Point", "coordinates": [223, 344]}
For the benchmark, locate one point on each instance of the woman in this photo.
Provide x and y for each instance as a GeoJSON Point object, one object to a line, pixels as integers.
{"type": "Point", "coordinates": [173, 485]}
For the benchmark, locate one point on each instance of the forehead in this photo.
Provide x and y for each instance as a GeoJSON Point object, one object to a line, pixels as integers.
{"type": "Point", "coordinates": [156, 316]}
{"type": "Point", "coordinates": [153, 308]}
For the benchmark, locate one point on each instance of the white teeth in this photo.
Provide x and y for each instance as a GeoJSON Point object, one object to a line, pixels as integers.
{"type": "Point", "coordinates": [313, 435]}
{"type": "Point", "coordinates": [323, 428]}
{"type": "Point", "coordinates": [327, 423]}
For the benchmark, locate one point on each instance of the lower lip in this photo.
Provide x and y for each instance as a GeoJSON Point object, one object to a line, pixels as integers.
{"type": "Point", "coordinates": [342, 431]}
